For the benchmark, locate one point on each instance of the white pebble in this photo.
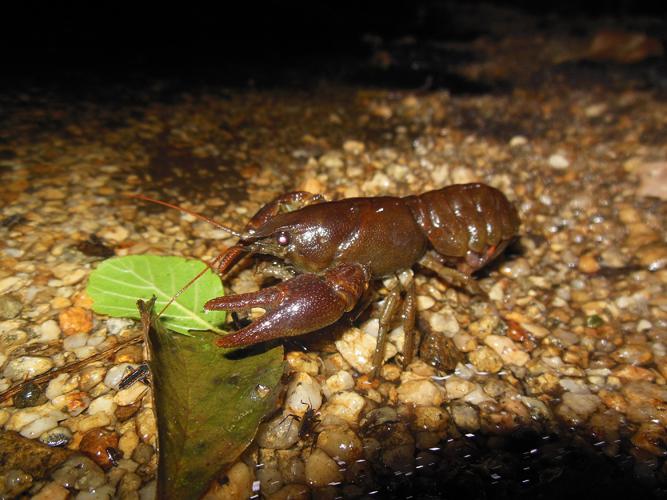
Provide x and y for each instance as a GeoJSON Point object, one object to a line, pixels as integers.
{"type": "Point", "coordinates": [27, 367]}
{"type": "Point", "coordinates": [117, 325]}
{"type": "Point", "coordinates": [102, 404]}
{"type": "Point", "coordinates": [582, 404]}
{"type": "Point", "coordinates": [424, 302]}
{"type": "Point", "coordinates": [116, 374]}
{"type": "Point", "coordinates": [74, 277]}
{"type": "Point", "coordinates": [507, 350]}
{"type": "Point", "coordinates": [11, 284]}
{"type": "Point", "coordinates": [341, 381]}
{"type": "Point", "coordinates": [345, 405]}
{"type": "Point", "coordinates": [558, 161]}
{"type": "Point", "coordinates": [445, 322]}
{"type": "Point", "coordinates": [130, 395]}
{"type": "Point", "coordinates": [60, 385]}
{"type": "Point", "coordinates": [357, 347]}
{"type": "Point", "coordinates": [458, 387]}
{"type": "Point", "coordinates": [35, 428]}
{"type": "Point", "coordinates": [322, 470]}
{"type": "Point", "coordinates": [49, 331]}
{"type": "Point", "coordinates": [303, 393]}
{"type": "Point", "coordinates": [75, 341]}
{"type": "Point", "coordinates": [420, 393]}
{"type": "Point", "coordinates": [25, 416]}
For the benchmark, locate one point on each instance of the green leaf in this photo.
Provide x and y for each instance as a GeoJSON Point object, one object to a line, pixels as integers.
{"type": "Point", "coordinates": [117, 284]}
{"type": "Point", "coordinates": [208, 406]}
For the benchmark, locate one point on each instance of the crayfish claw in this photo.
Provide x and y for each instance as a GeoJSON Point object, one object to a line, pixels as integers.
{"type": "Point", "coordinates": [299, 305]}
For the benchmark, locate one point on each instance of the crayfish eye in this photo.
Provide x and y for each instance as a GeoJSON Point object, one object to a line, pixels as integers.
{"type": "Point", "coordinates": [282, 238]}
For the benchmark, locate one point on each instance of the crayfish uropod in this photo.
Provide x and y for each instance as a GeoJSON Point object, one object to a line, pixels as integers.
{"type": "Point", "coordinates": [331, 251]}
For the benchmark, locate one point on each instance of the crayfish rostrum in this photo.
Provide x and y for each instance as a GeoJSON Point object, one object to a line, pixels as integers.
{"type": "Point", "coordinates": [331, 251]}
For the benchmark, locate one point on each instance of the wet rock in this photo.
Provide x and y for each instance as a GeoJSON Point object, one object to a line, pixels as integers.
{"type": "Point", "coordinates": [60, 385]}
{"type": "Point", "coordinates": [340, 444]}
{"type": "Point", "coordinates": [35, 428]}
{"type": "Point", "coordinates": [15, 482]}
{"type": "Point", "coordinates": [465, 417]}
{"type": "Point", "coordinates": [341, 381]}
{"type": "Point", "coordinates": [10, 306]}
{"type": "Point", "coordinates": [49, 331]}
{"type": "Point", "coordinates": [303, 393]}
{"type": "Point", "coordinates": [58, 436]}
{"type": "Point", "coordinates": [116, 373]}
{"type": "Point", "coordinates": [344, 405]}
{"type": "Point", "coordinates": [27, 367]}
{"type": "Point", "coordinates": [146, 425]}
{"type": "Point", "coordinates": [653, 256]}
{"type": "Point", "coordinates": [457, 387]}
{"type": "Point", "coordinates": [321, 470]}
{"type": "Point", "coordinates": [510, 352]}
{"type": "Point", "coordinates": [80, 473]}
{"type": "Point", "coordinates": [430, 418]}
{"type": "Point", "coordinates": [279, 433]}
{"type": "Point", "coordinates": [129, 484]}
{"type": "Point", "coordinates": [75, 320]}
{"type": "Point", "coordinates": [269, 479]}
{"type": "Point", "coordinates": [131, 394]}
{"type": "Point", "coordinates": [103, 404]}
{"type": "Point", "coordinates": [98, 445]}
{"type": "Point", "coordinates": [634, 354]}
{"type": "Point", "coordinates": [91, 376]}
{"type": "Point", "coordinates": [440, 351]}
{"type": "Point", "coordinates": [444, 322]}
{"type": "Point", "coordinates": [52, 491]}
{"type": "Point", "coordinates": [73, 403]}
{"type": "Point", "coordinates": [485, 360]}
{"type": "Point", "coordinates": [143, 453]}
{"type": "Point", "coordinates": [75, 341]}
{"type": "Point", "coordinates": [358, 346]}
{"type": "Point", "coordinates": [128, 442]}
{"type": "Point", "coordinates": [582, 404]}
{"type": "Point", "coordinates": [30, 395]}
{"type": "Point", "coordinates": [420, 393]}
{"type": "Point", "coordinates": [84, 423]}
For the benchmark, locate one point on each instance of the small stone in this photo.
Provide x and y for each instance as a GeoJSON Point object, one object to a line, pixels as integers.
{"type": "Point", "coordinates": [128, 442]}
{"type": "Point", "coordinates": [10, 306]}
{"type": "Point", "coordinates": [84, 423]}
{"type": "Point", "coordinates": [303, 393]}
{"type": "Point", "coordinates": [11, 283]}
{"type": "Point", "coordinates": [116, 373]}
{"type": "Point", "coordinates": [96, 442]}
{"type": "Point", "coordinates": [74, 277]}
{"type": "Point", "coordinates": [430, 418]}
{"type": "Point", "coordinates": [30, 395]}
{"type": "Point", "coordinates": [279, 433]}
{"type": "Point", "coordinates": [653, 256]}
{"type": "Point", "coordinates": [465, 416]}
{"type": "Point", "coordinates": [507, 350]}
{"type": "Point", "coordinates": [457, 387]}
{"type": "Point", "coordinates": [344, 405]}
{"type": "Point", "coordinates": [341, 381]}
{"type": "Point", "coordinates": [60, 385]}
{"type": "Point", "coordinates": [49, 331]}
{"type": "Point", "coordinates": [114, 233]}
{"type": "Point", "coordinates": [130, 354]}
{"type": "Point", "coordinates": [420, 393]}
{"type": "Point", "coordinates": [116, 326]}
{"type": "Point", "coordinates": [103, 403]}
{"type": "Point", "coordinates": [302, 362]}
{"type": "Point", "coordinates": [146, 425]}
{"type": "Point", "coordinates": [558, 162]}
{"type": "Point", "coordinates": [354, 147]}
{"type": "Point", "coordinates": [143, 453]}
{"type": "Point", "coordinates": [129, 395]}
{"type": "Point", "coordinates": [52, 491]}
{"type": "Point", "coordinates": [582, 404]}
{"type": "Point", "coordinates": [58, 436]}
{"type": "Point", "coordinates": [357, 347]}
{"type": "Point", "coordinates": [27, 367]}
{"type": "Point", "coordinates": [340, 444]}
{"type": "Point", "coordinates": [79, 472]}
{"type": "Point", "coordinates": [91, 376]}
{"type": "Point", "coordinates": [74, 402]}
{"type": "Point", "coordinates": [75, 320]}
{"type": "Point", "coordinates": [14, 482]}
{"type": "Point", "coordinates": [485, 360]}
{"type": "Point", "coordinates": [73, 342]}
{"type": "Point", "coordinates": [588, 263]}
{"type": "Point", "coordinates": [633, 354]}
{"type": "Point", "coordinates": [518, 140]}
{"type": "Point", "coordinates": [445, 322]}
{"type": "Point", "coordinates": [321, 470]}
{"type": "Point", "coordinates": [123, 413]}
{"type": "Point", "coordinates": [37, 427]}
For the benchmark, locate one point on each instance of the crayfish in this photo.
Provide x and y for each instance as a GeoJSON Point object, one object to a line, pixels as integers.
{"type": "Point", "coordinates": [329, 252]}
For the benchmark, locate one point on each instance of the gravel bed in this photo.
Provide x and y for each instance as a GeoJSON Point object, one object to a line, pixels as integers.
{"type": "Point", "coordinates": [556, 380]}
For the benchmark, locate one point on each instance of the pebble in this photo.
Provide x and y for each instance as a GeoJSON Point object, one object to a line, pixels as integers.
{"type": "Point", "coordinates": [303, 393]}
{"type": "Point", "coordinates": [10, 306]}
{"type": "Point", "coordinates": [91, 376]}
{"type": "Point", "coordinates": [49, 331]}
{"type": "Point", "coordinates": [11, 283]}
{"type": "Point", "coordinates": [14, 482]}
{"type": "Point", "coordinates": [430, 418]}
{"type": "Point", "coordinates": [61, 384]}
{"type": "Point", "coordinates": [57, 436]}
{"type": "Point", "coordinates": [485, 360]}
{"type": "Point", "coordinates": [30, 395]}
{"type": "Point", "coordinates": [357, 347]}
{"type": "Point", "coordinates": [340, 444]}
{"type": "Point", "coordinates": [465, 416]}
{"type": "Point", "coordinates": [129, 395]}
{"type": "Point", "coordinates": [341, 381]}
{"type": "Point", "coordinates": [128, 442]}
{"type": "Point", "coordinates": [27, 367]}
{"type": "Point", "coordinates": [653, 256]}
{"type": "Point", "coordinates": [354, 147]}
{"type": "Point", "coordinates": [96, 442]}
{"type": "Point", "coordinates": [75, 320]}
{"type": "Point", "coordinates": [146, 425]}
{"type": "Point", "coordinates": [582, 404]}
{"type": "Point", "coordinates": [37, 427]}
{"type": "Point", "coordinates": [510, 353]}
{"type": "Point", "coordinates": [420, 393]}
{"type": "Point", "coordinates": [115, 326]}
{"type": "Point", "coordinates": [303, 362]}
{"type": "Point", "coordinates": [116, 373]}
{"type": "Point", "coordinates": [80, 473]}
{"type": "Point", "coordinates": [634, 354]}
{"type": "Point", "coordinates": [321, 470]}
{"type": "Point", "coordinates": [75, 341]}
{"type": "Point", "coordinates": [74, 402]}
{"type": "Point", "coordinates": [444, 322]}
{"type": "Point", "coordinates": [457, 387]}
{"type": "Point", "coordinates": [558, 162]}
{"type": "Point", "coordinates": [345, 405]}
{"type": "Point", "coordinates": [52, 491]}
{"type": "Point", "coordinates": [279, 433]}
{"type": "Point", "coordinates": [103, 403]}
{"type": "Point", "coordinates": [588, 263]}
{"type": "Point", "coordinates": [83, 423]}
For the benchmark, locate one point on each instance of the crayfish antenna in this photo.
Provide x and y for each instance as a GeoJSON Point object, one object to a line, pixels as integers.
{"type": "Point", "coordinates": [199, 216]}
{"type": "Point", "coordinates": [209, 265]}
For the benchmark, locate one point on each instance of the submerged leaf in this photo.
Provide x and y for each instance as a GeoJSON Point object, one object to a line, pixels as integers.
{"type": "Point", "coordinates": [208, 406]}
{"type": "Point", "coordinates": [117, 284]}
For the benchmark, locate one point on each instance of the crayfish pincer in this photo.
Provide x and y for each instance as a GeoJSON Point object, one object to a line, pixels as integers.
{"type": "Point", "coordinates": [330, 252]}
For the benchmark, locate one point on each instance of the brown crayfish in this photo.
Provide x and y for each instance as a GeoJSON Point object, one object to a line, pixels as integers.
{"type": "Point", "coordinates": [332, 250]}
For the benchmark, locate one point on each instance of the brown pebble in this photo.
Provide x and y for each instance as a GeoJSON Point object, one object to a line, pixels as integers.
{"type": "Point", "coordinates": [99, 445]}
{"type": "Point", "coordinates": [75, 320]}
{"type": "Point", "coordinates": [129, 354]}
{"type": "Point", "coordinates": [588, 263]}
{"type": "Point", "coordinates": [126, 412]}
